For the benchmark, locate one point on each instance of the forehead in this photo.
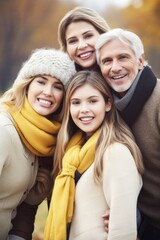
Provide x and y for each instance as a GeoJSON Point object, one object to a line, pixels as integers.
{"type": "Point", "coordinates": [79, 27]}
{"type": "Point", "coordinates": [87, 89]}
{"type": "Point", "coordinates": [116, 47]}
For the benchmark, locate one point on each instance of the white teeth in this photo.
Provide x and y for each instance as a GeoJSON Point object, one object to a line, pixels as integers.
{"type": "Point", "coordinates": [86, 118]}
{"type": "Point", "coordinates": [118, 77]}
{"type": "Point", "coordinates": [85, 54]}
{"type": "Point", "coordinates": [45, 102]}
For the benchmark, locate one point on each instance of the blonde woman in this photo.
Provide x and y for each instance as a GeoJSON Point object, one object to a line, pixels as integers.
{"type": "Point", "coordinates": [96, 143]}
{"type": "Point", "coordinates": [30, 118]}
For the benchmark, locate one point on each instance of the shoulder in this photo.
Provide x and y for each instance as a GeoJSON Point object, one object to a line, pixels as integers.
{"type": "Point", "coordinates": [152, 105]}
{"type": "Point", "coordinates": [7, 131]}
{"type": "Point", "coordinates": [116, 150]}
{"type": "Point", "coordinates": [155, 94]}
{"type": "Point", "coordinates": [118, 156]}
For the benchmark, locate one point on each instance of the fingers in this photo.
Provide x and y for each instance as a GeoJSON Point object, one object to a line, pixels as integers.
{"type": "Point", "coordinates": [43, 175]}
{"type": "Point", "coordinates": [105, 216]}
{"type": "Point", "coordinates": [106, 225]}
{"type": "Point", "coordinates": [44, 181]}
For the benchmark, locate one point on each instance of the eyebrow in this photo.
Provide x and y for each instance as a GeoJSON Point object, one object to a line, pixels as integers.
{"type": "Point", "coordinates": [88, 31]}
{"type": "Point", "coordinates": [94, 96]}
{"type": "Point", "coordinates": [46, 79]}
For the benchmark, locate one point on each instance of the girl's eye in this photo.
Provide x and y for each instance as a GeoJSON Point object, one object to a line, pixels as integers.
{"type": "Point", "coordinates": [75, 102]}
{"type": "Point", "coordinates": [93, 101]}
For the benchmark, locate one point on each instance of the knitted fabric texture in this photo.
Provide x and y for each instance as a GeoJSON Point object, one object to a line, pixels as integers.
{"type": "Point", "coordinates": [51, 62]}
{"type": "Point", "coordinates": [79, 156]}
{"type": "Point", "coordinates": [37, 133]}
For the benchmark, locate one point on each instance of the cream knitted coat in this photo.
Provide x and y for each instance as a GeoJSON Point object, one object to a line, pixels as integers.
{"type": "Point", "coordinates": [18, 170]}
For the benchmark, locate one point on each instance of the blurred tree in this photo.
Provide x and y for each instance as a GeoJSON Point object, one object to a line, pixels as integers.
{"type": "Point", "coordinates": [24, 26]}
{"type": "Point", "coordinates": [27, 24]}
{"type": "Point", "coordinates": [145, 21]}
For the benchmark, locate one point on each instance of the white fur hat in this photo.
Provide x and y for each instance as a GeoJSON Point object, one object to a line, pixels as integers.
{"type": "Point", "coordinates": [53, 62]}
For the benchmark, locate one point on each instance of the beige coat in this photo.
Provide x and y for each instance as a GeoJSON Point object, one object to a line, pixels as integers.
{"type": "Point", "coordinates": [18, 170]}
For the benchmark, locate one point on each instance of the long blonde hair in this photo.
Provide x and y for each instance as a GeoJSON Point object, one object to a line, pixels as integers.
{"type": "Point", "coordinates": [16, 94]}
{"type": "Point", "coordinates": [113, 128]}
{"type": "Point", "coordinates": [80, 14]}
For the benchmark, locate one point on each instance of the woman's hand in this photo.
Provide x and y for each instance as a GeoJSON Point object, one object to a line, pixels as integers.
{"type": "Point", "coordinates": [42, 188]}
{"type": "Point", "coordinates": [106, 220]}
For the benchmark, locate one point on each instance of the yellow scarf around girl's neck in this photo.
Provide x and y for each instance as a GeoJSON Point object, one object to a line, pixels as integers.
{"type": "Point", "coordinates": [37, 132]}
{"type": "Point", "coordinates": [79, 156]}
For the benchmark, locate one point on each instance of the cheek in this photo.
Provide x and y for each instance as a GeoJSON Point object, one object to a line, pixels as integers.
{"type": "Point", "coordinates": [73, 112]}
{"type": "Point", "coordinates": [70, 51]}
{"type": "Point", "coordinates": [58, 98]}
{"type": "Point", "coordinates": [93, 41]}
{"type": "Point", "coordinates": [30, 96]}
{"type": "Point", "coordinates": [104, 70]}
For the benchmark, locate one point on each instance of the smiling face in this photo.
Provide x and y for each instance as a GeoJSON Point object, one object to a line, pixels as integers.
{"type": "Point", "coordinates": [119, 65]}
{"type": "Point", "coordinates": [81, 38]}
{"type": "Point", "coordinates": [45, 94]}
{"type": "Point", "coordinates": [88, 109]}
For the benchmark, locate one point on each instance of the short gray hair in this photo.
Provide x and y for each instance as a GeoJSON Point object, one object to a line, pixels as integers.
{"type": "Point", "coordinates": [126, 37]}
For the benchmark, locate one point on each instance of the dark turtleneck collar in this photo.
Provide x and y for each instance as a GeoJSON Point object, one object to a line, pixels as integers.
{"type": "Point", "coordinates": [142, 92]}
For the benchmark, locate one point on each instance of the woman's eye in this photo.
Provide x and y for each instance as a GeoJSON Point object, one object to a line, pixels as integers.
{"type": "Point", "coordinates": [88, 35]}
{"type": "Point", "coordinates": [72, 41]}
{"type": "Point", "coordinates": [41, 82]}
{"type": "Point", "coordinates": [59, 87]}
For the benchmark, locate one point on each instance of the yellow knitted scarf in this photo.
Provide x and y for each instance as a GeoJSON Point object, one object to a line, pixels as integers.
{"type": "Point", "coordinates": [37, 132]}
{"type": "Point", "coordinates": [79, 156]}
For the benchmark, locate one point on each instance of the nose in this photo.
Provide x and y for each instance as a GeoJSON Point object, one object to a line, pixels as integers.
{"type": "Point", "coordinates": [84, 108]}
{"type": "Point", "coordinates": [82, 44]}
{"type": "Point", "coordinates": [116, 66]}
{"type": "Point", "coordinates": [48, 90]}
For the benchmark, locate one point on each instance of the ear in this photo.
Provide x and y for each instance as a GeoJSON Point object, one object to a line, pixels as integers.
{"type": "Point", "coordinates": [108, 105]}
{"type": "Point", "coordinates": [141, 61]}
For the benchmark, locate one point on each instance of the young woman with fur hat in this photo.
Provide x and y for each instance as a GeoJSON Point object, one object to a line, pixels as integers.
{"type": "Point", "coordinates": [30, 118]}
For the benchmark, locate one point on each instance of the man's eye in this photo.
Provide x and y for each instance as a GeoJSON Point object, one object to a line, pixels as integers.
{"type": "Point", "coordinates": [106, 61]}
{"type": "Point", "coordinates": [123, 57]}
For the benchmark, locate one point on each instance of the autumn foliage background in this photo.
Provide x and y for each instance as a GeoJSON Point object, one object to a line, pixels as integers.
{"type": "Point", "coordinates": [29, 24]}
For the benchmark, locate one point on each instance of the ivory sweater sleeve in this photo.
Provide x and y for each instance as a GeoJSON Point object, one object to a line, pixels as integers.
{"type": "Point", "coordinates": [121, 187]}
